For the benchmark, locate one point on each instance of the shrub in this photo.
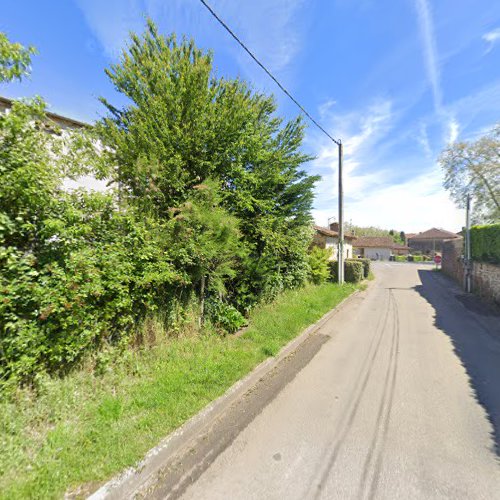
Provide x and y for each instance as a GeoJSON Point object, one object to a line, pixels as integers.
{"type": "Point", "coordinates": [333, 267]}
{"type": "Point", "coordinates": [354, 271]}
{"type": "Point", "coordinates": [401, 258]}
{"type": "Point", "coordinates": [485, 243]}
{"type": "Point", "coordinates": [224, 316]}
{"type": "Point", "coordinates": [318, 263]}
{"type": "Point", "coordinates": [366, 265]}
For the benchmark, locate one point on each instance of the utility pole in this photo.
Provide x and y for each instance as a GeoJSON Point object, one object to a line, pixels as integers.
{"type": "Point", "coordinates": [468, 263]}
{"type": "Point", "coordinates": [341, 217]}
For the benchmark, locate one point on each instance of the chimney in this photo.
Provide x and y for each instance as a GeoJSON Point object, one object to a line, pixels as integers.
{"type": "Point", "coordinates": [334, 226]}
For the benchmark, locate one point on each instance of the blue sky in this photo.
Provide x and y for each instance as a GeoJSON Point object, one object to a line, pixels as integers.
{"type": "Point", "coordinates": [396, 81]}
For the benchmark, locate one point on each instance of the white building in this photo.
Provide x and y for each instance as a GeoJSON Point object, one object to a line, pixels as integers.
{"type": "Point", "coordinates": [328, 238]}
{"type": "Point", "coordinates": [374, 247]}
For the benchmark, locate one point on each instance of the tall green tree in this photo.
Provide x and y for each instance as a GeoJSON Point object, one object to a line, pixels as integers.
{"type": "Point", "coordinates": [15, 59]}
{"type": "Point", "coordinates": [183, 125]}
{"type": "Point", "coordinates": [474, 168]}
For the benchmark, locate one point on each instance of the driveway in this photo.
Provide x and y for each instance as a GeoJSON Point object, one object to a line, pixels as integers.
{"type": "Point", "coordinates": [401, 401]}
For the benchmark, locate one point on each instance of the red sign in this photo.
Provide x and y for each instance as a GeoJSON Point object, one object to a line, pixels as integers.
{"type": "Point", "coordinates": [437, 259]}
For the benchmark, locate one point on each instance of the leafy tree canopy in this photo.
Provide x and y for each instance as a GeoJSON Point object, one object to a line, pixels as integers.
{"type": "Point", "coordinates": [15, 59]}
{"type": "Point", "coordinates": [398, 237]}
{"type": "Point", "coordinates": [474, 168]}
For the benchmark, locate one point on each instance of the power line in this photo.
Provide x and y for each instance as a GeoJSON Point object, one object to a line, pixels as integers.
{"type": "Point", "coordinates": [228, 29]}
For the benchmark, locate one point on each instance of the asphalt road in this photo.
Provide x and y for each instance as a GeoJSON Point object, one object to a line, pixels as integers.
{"type": "Point", "coordinates": [402, 401]}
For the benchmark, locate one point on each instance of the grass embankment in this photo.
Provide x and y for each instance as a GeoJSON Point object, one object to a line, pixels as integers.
{"type": "Point", "coordinates": [83, 429]}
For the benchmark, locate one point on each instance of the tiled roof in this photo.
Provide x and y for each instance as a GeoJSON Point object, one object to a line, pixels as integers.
{"type": "Point", "coordinates": [64, 121]}
{"type": "Point", "coordinates": [434, 234]}
{"type": "Point", "coordinates": [374, 242]}
{"type": "Point", "coordinates": [333, 234]}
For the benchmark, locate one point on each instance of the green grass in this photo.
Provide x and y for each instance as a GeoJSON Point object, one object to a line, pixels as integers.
{"type": "Point", "coordinates": [83, 429]}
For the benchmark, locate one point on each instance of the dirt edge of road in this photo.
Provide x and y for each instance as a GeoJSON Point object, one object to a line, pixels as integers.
{"type": "Point", "coordinates": [169, 468]}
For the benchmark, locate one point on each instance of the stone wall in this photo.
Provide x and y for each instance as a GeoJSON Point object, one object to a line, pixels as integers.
{"type": "Point", "coordinates": [452, 264]}
{"type": "Point", "coordinates": [486, 281]}
{"type": "Point", "coordinates": [485, 276]}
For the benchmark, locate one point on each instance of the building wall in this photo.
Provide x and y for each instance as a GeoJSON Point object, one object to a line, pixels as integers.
{"type": "Point", "coordinates": [452, 263]}
{"type": "Point", "coordinates": [486, 281]}
{"type": "Point", "coordinates": [374, 253]}
{"type": "Point", "coordinates": [427, 246]}
{"type": "Point", "coordinates": [400, 251]}
{"type": "Point", "coordinates": [485, 276]}
{"type": "Point", "coordinates": [330, 242]}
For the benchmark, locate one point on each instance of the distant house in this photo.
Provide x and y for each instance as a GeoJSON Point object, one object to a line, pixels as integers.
{"type": "Point", "coordinates": [328, 238]}
{"type": "Point", "coordinates": [374, 247]}
{"type": "Point", "coordinates": [408, 236]}
{"type": "Point", "coordinates": [430, 242]}
{"type": "Point", "coordinates": [65, 125]}
{"type": "Point", "coordinates": [52, 118]}
{"type": "Point", "coordinates": [400, 250]}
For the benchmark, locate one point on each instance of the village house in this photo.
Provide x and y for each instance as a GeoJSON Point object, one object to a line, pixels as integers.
{"type": "Point", "coordinates": [400, 250]}
{"type": "Point", "coordinates": [431, 241]}
{"type": "Point", "coordinates": [62, 122]}
{"type": "Point", "coordinates": [374, 247]}
{"type": "Point", "coordinates": [328, 238]}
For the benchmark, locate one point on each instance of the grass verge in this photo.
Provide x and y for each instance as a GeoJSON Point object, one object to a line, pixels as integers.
{"type": "Point", "coordinates": [81, 430]}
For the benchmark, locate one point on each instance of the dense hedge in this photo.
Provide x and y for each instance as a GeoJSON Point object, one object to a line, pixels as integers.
{"type": "Point", "coordinates": [354, 270]}
{"type": "Point", "coordinates": [210, 213]}
{"type": "Point", "coordinates": [318, 263]}
{"type": "Point", "coordinates": [485, 243]}
{"type": "Point", "coordinates": [366, 266]}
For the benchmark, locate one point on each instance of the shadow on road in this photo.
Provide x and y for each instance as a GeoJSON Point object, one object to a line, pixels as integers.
{"type": "Point", "coordinates": [474, 329]}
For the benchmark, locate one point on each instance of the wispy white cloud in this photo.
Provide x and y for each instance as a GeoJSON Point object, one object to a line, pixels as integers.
{"type": "Point", "coordinates": [423, 139]}
{"type": "Point", "coordinates": [454, 129]}
{"type": "Point", "coordinates": [430, 51]}
{"type": "Point", "coordinates": [326, 108]}
{"type": "Point", "coordinates": [273, 29]}
{"type": "Point", "coordinates": [361, 132]}
{"type": "Point", "coordinates": [111, 21]}
{"type": "Point", "coordinates": [491, 37]}
{"type": "Point", "coordinates": [412, 206]}
{"type": "Point", "coordinates": [377, 191]}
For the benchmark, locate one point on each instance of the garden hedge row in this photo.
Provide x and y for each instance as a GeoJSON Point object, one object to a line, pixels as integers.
{"type": "Point", "coordinates": [485, 243]}
{"type": "Point", "coordinates": [354, 270]}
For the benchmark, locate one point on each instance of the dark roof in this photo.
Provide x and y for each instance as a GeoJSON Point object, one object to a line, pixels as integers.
{"type": "Point", "coordinates": [374, 242]}
{"type": "Point", "coordinates": [328, 232]}
{"type": "Point", "coordinates": [434, 234]}
{"type": "Point", "coordinates": [59, 119]}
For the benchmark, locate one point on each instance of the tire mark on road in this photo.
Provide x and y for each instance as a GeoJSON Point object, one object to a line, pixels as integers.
{"type": "Point", "coordinates": [384, 406]}
{"type": "Point", "coordinates": [378, 463]}
{"type": "Point", "coordinates": [360, 387]}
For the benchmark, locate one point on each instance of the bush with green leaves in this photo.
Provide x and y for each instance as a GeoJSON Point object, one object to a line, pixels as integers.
{"type": "Point", "coordinates": [224, 316]}
{"type": "Point", "coordinates": [183, 125]}
{"type": "Point", "coordinates": [213, 209]}
{"type": "Point", "coordinates": [318, 263]}
{"type": "Point", "coordinates": [333, 269]}
{"type": "Point", "coordinates": [366, 266]}
{"type": "Point", "coordinates": [76, 272]}
{"type": "Point", "coordinates": [485, 243]}
{"type": "Point", "coordinates": [354, 271]}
